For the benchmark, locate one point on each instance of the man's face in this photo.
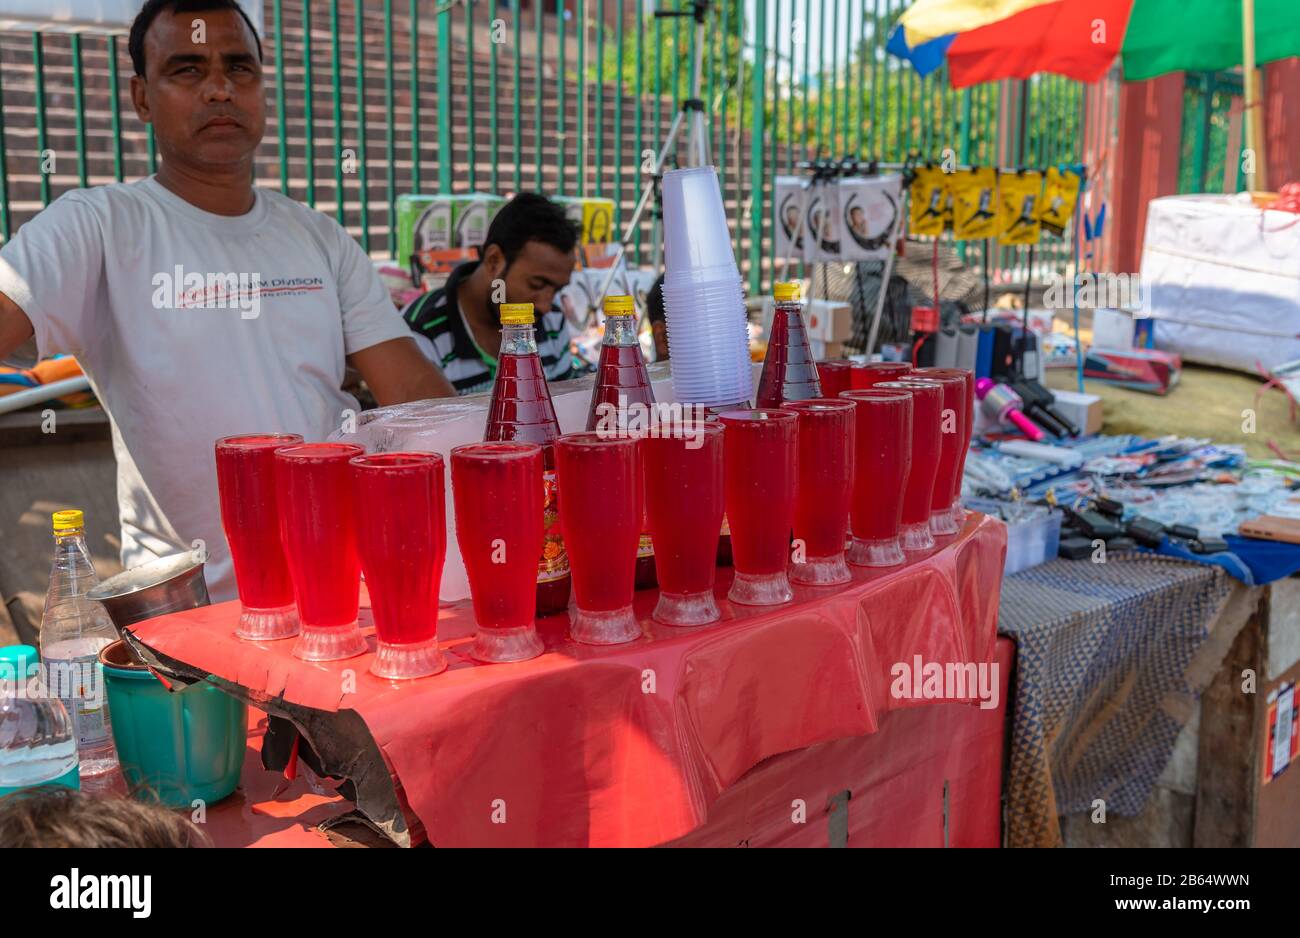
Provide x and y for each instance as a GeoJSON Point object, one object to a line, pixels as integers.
{"type": "Point", "coordinates": [536, 274]}
{"type": "Point", "coordinates": [202, 89]}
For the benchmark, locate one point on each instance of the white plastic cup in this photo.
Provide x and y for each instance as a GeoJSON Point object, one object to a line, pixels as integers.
{"type": "Point", "coordinates": [696, 235]}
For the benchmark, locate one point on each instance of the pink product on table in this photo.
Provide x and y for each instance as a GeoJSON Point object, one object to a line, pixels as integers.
{"type": "Point", "coordinates": [1003, 405]}
{"type": "Point", "coordinates": [684, 505]}
{"type": "Point", "coordinates": [602, 530]}
{"type": "Point", "coordinates": [761, 468]}
{"type": "Point", "coordinates": [318, 528]}
{"type": "Point", "coordinates": [927, 415]}
{"type": "Point", "coordinates": [881, 468]}
{"type": "Point", "coordinates": [250, 517]}
{"type": "Point", "coordinates": [498, 493]}
{"type": "Point", "coordinates": [825, 488]}
{"type": "Point", "coordinates": [399, 500]}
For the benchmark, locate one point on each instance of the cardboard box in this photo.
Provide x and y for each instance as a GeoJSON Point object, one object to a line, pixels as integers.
{"type": "Point", "coordinates": [1082, 410]}
{"type": "Point", "coordinates": [1140, 369]}
{"type": "Point", "coordinates": [828, 320]}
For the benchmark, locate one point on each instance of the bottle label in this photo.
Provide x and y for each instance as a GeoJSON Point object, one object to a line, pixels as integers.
{"type": "Point", "coordinates": [554, 564]}
{"type": "Point", "coordinates": [645, 548]}
{"type": "Point", "coordinates": [79, 683]}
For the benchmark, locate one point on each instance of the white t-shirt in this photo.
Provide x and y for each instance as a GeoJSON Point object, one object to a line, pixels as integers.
{"type": "Point", "coordinates": [100, 273]}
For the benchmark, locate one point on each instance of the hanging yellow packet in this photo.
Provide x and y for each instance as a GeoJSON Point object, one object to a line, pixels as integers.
{"type": "Point", "coordinates": [929, 201]}
{"type": "Point", "coordinates": [975, 203]}
{"type": "Point", "coordinates": [1060, 196]}
{"type": "Point", "coordinates": [1019, 194]}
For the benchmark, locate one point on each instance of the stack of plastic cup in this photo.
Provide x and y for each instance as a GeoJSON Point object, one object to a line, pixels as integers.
{"type": "Point", "coordinates": [704, 302]}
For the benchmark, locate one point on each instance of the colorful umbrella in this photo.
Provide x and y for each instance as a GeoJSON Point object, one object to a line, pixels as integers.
{"type": "Point", "coordinates": [985, 40]}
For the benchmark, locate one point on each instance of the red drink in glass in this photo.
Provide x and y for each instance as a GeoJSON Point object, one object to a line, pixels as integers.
{"type": "Point", "coordinates": [621, 383]}
{"type": "Point", "coordinates": [952, 435]}
{"type": "Point", "coordinates": [869, 374]}
{"type": "Point", "coordinates": [401, 518]}
{"type": "Point", "coordinates": [881, 465]}
{"type": "Point", "coordinates": [836, 375]}
{"type": "Point", "coordinates": [789, 372]}
{"type": "Point", "coordinates": [318, 528]}
{"type": "Point", "coordinates": [497, 489]}
{"type": "Point", "coordinates": [685, 502]}
{"type": "Point", "coordinates": [761, 467]}
{"type": "Point", "coordinates": [927, 412]}
{"type": "Point", "coordinates": [821, 517]}
{"type": "Point", "coordinates": [967, 418]}
{"type": "Point", "coordinates": [521, 411]}
{"type": "Point", "coordinates": [251, 519]}
{"type": "Point", "coordinates": [602, 530]}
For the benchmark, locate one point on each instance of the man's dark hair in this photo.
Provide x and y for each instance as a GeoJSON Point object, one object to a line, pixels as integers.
{"type": "Point", "coordinates": [531, 217]}
{"type": "Point", "coordinates": [149, 12]}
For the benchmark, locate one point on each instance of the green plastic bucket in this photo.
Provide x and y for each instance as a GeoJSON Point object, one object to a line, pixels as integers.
{"type": "Point", "coordinates": [177, 746]}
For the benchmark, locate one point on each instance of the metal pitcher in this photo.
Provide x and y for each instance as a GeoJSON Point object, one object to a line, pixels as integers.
{"type": "Point", "coordinates": [168, 584]}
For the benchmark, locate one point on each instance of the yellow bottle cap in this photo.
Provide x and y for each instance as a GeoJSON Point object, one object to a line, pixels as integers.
{"type": "Point", "coordinates": [516, 314]}
{"type": "Point", "coordinates": [70, 519]}
{"type": "Point", "coordinates": [784, 292]}
{"type": "Point", "coordinates": [619, 306]}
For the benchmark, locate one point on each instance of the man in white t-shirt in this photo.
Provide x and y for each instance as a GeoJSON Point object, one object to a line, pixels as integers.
{"type": "Point", "coordinates": [198, 305]}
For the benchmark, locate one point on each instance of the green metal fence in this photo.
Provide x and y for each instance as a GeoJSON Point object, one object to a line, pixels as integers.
{"type": "Point", "coordinates": [370, 99]}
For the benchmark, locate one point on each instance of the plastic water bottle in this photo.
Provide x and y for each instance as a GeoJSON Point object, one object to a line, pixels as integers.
{"type": "Point", "coordinates": [37, 744]}
{"type": "Point", "coordinates": [73, 630]}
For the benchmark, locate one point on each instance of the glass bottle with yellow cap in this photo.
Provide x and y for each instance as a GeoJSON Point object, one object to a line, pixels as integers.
{"type": "Point", "coordinates": [521, 410]}
{"type": "Point", "coordinates": [73, 630]}
{"type": "Point", "coordinates": [623, 398]}
{"type": "Point", "coordinates": [789, 370]}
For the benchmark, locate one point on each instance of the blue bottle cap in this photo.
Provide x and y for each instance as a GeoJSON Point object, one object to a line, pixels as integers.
{"type": "Point", "coordinates": [18, 659]}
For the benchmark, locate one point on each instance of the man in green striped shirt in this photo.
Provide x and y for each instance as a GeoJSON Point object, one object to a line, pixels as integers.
{"type": "Point", "coordinates": [527, 257]}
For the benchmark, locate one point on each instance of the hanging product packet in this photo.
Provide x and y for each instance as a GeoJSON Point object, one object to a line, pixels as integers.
{"type": "Point", "coordinates": [974, 203]}
{"type": "Point", "coordinates": [869, 211]}
{"type": "Point", "coordinates": [1019, 194]}
{"type": "Point", "coordinates": [1060, 195]}
{"type": "Point", "coordinates": [822, 244]}
{"type": "Point", "coordinates": [788, 206]}
{"type": "Point", "coordinates": [930, 201]}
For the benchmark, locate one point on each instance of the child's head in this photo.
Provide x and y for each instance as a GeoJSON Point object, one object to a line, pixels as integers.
{"type": "Point", "coordinates": [54, 816]}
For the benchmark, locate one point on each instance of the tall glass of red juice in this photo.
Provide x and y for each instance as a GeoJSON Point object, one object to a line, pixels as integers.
{"type": "Point", "coordinates": [821, 516]}
{"type": "Point", "coordinates": [622, 386]}
{"type": "Point", "coordinates": [868, 374]}
{"type": "Point", "coordinates": [967, 419]}
{"type": "Point", "coordinates": [761, 467]}
{"type": "Point", "coordinates": [401, 512]}
{"type": "Point", "coordinates": [497, 490]}
{"type": "Point", "coordinates": [521, 410]}
{"type": "Point", "coordinates": [685, 502]}
{"type": "Point", "coordinates": [927, 413]}
{"type": "Point", "coordinates": [951, 437]}
{"type": "Point", "coordinates": [882, 462]}
{"type": "Point", "coordinates": [251, 519]}
{"type": "Point", "coordinates": [318, 529]}
{"type": "Point", "coordinates": [602, 528]}
{"type": "Point", "coordinates": [836, 375]}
